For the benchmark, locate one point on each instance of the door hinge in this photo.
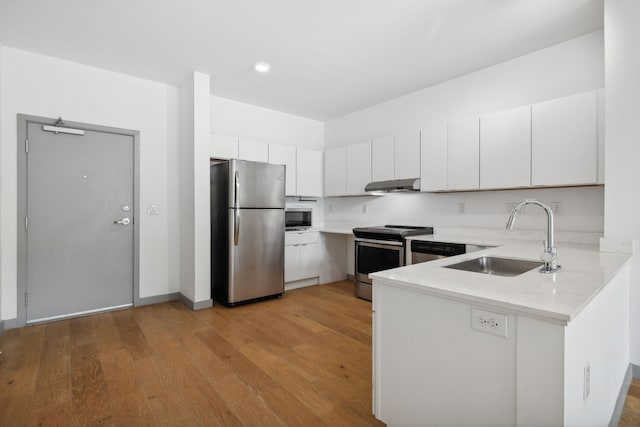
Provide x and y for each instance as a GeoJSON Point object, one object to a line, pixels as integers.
{"type": "Point", "coordinates": [26, 299]}
{"type": "Point", "coordinates": [26, 222]}
{"type": "Point", "coordinates": [26, 145]}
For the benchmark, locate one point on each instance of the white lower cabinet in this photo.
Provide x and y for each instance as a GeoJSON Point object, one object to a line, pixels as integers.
{"type": "Point", "coordinates": [301, 255]}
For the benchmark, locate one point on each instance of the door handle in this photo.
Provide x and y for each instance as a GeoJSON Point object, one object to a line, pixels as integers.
{"type": "Point", "coordinates": [236, 226]}
{"type": "Point", "coordinates": [123, 221]}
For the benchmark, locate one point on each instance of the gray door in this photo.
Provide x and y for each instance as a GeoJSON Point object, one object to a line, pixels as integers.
{"type": "Point", "coordinates": [78, 259]}
{"type": "Point", "coordinates": [257, 260]}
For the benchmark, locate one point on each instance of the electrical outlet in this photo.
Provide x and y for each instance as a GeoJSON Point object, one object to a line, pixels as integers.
{"type": "Point", "coordinates": [461, 207]}
{"type": "Point", "coordinates": [555, 207]}
{"type": "Point", "coordinates": [587, 381]}
{"type": "Point", "coordinates": [491, 323]}
{"type": "Point", "coordinates": [364, 208]}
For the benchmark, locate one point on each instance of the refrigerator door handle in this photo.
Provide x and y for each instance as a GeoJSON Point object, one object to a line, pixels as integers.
{"type": "Point", "coordinates": [236, 226]}
{"type": "Point", "coordinates": [236, 211]}
{"type": "Point", "coordinates": [235, 194]}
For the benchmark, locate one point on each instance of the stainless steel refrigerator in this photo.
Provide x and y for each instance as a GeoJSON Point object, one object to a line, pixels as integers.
{"type": "Point", "coordinates": [247, 231]}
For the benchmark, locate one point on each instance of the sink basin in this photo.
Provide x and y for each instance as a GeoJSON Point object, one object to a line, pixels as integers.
{"type": "Point", "coordinates": [496, 266]}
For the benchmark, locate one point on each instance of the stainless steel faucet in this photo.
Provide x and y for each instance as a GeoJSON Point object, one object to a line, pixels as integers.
{"type": "Point", "coordinates": [549, 255]}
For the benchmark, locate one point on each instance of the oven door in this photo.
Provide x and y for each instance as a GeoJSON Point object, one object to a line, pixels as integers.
{"type": "Point", "coordinates": [376, 255]}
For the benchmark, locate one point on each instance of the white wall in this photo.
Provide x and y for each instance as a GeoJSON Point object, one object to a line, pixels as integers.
{"type": "Point", "coordinates": [1, 215]}
{"type": "Point", "coordinates": [44, 86]}
{"type": "Point", "coordinates": [237, 119]}
{"type": "Point", "coordinates": [571, 67]}
{"type": "Point", "coordinates": [622, 135]}
{"type": "Point", "coordinates": [580, 209]}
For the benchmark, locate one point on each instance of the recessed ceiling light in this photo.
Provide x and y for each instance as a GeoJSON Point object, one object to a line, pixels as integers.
{"type": "Point", "coordinates": [262, 67]}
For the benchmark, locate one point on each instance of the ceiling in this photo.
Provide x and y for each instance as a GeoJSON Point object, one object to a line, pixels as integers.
{"type": "Point", "coordinates": [328, 57]}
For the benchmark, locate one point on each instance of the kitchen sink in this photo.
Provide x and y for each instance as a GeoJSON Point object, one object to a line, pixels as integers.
{"type": "Point", "coordinates": [496, 266]}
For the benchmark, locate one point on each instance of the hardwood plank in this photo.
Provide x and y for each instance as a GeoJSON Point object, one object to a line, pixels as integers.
{"type": "Point", "coordinates": [284, 404]}
{"type": "Point", "coordinates": [54, 376]}
{"type": "Point", "coordinates": [131, 334]}
{"type": "Point", "coordinates": [19, 378]}
{"type": "Point", "coordinates": [59, 414]}
{"type": "Point", "coordinates": [89, 396]}
{"type": "Point", "coordinates": [147, 374]}
{"type": "Point", "coordinates": [118, 373]}
{"type": "Point", "coordinates": [132, 409]}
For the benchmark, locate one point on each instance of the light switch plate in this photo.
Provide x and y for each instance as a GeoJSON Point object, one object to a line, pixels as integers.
{"type": "Point", "coordinates": [153, 210]}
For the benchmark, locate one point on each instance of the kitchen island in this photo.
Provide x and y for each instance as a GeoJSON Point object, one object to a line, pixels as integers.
{"type": "Point", "coordinates": [455, 347]}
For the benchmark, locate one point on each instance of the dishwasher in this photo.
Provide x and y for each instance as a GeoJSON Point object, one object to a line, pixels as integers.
{"type": "Point", "coordinates": [423, 251]}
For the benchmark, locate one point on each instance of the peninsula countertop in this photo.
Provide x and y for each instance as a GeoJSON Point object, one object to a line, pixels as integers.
{"type": "Point", "coordinates": [557, 297]}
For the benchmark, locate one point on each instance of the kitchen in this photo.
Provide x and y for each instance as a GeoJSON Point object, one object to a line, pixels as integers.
{"type": "Point", "coordinates": [579, 65]}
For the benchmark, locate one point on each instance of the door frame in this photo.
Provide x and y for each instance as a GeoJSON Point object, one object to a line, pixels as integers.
{"type": "Point", "coordinates": [23, 121]}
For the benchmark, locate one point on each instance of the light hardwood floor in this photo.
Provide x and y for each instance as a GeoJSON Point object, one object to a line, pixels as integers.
{"type": "Point", "coordinates": [301, 360]}
{"type": "Point", "coordinates": [631, 412]}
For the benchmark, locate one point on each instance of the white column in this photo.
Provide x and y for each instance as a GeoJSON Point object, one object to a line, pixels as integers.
{"type": "Point", "coordinates": [622, 146]}
{"type": "Point", "coordinates": [195, 249]}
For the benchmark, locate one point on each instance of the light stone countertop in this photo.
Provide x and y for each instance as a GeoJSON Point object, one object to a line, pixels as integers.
{"type": "Point", "coordinates": [557, 297]}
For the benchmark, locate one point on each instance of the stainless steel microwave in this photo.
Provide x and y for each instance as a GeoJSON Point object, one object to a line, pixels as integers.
{"type": "Point", "coordinates": [297, 218]}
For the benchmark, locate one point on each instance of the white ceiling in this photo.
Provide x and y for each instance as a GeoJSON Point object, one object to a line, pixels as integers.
{"type": "Point", "coordinates": [328, 57]}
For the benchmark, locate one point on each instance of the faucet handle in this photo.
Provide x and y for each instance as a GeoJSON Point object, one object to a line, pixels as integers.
{"type": "Point", "coordinates": [548, 254]}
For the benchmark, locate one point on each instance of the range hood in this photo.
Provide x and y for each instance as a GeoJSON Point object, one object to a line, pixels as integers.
{"type": "Point", "coordinates": [395, 186]}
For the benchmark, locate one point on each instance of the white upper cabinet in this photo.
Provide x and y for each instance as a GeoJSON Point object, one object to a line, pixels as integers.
{"type": "Point", "coordinates": [505, 149]}
{"type": "Point", "coordinates": [407, 154]}
{"type": "Point", "coordinates": [223, 147]}
{"type": "Point", "coordinates": [335, 172]}
{"type": "Point", "coordinates": [564, 145]}
{"type": "Point", "coordinates": [382, 159]}
{"type": "Point", "coordinates": [308, 172]}
{"type": "Point", "coordinates": [358, 167]}
{"type": "Point", "coordinates": [253, 150]}
{"type": "Point", "coordinates": [433, 158]}
{"type": "Point", "coordinates": [283, 155]}
{"type": "Point", "coordinates": [463, 152]}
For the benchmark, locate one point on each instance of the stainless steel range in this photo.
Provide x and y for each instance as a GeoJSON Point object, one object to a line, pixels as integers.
{"type": "Point", "coordinates": [380, 248]}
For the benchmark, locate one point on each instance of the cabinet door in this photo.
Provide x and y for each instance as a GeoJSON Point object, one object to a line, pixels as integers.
{"type": "Point", "coordinates": [407, 154]}
{"type": "Point", "coordinates": [291, 263]}
{"type": "Point", "coordinates": [282, 155]}
{"type": "Point", "coordinates": [564, 141]}
{"type": "Point", "coordinates": [335, 172]}
{"type": "Point", "coordinates": [433, 158]}
{"type": "Point", "coordinates": [505, 149]}
{"type": "Point", "coordinates": [382, 159]}
{"type": "Point", "coordinates": [309, 265]}
{"type": "Point", "coordinates": [358, 167]}
{"type": "Point", "coordinates": [463, 152]}
{"type": "Point", "coordinates": [309, 172]}
{"type": "Point", "coordinates": [253, 150]}
{"type": "Point", "coordinates": [223, 147]}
